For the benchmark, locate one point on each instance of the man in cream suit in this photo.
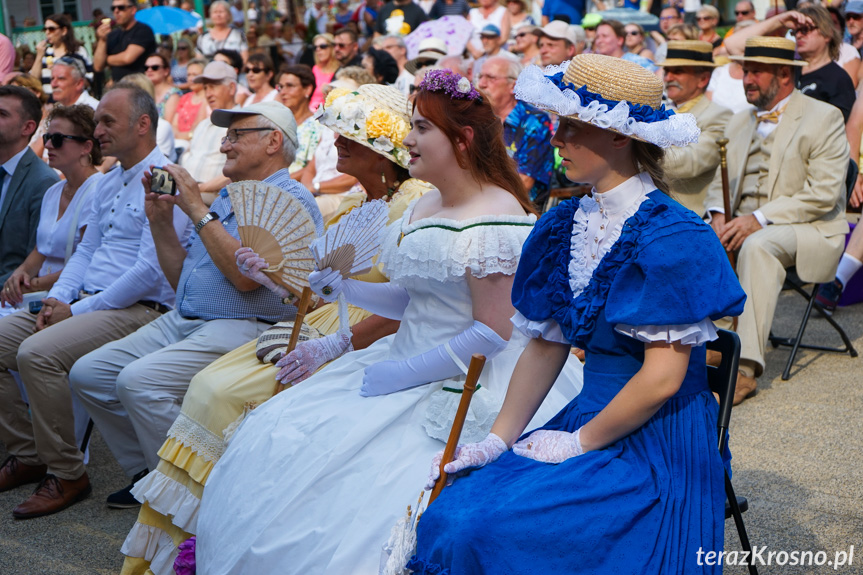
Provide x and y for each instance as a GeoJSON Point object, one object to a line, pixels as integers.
{"type": "Point", "coordinates": [787, 186]}
{"type": "Point", "coordinates": [690, 169]}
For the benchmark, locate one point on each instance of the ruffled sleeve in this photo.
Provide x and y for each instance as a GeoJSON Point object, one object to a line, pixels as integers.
{"type": "Point", "coordinates": [679, 275]}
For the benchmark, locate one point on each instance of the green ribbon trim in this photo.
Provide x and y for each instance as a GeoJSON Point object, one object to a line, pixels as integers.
{"type": "Point", "coordinates": [454, 390]}
{"type": "Point", "coordinates": [452, 229]}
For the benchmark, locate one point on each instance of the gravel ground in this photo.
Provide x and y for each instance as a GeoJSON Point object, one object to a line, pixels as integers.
{"type": "Point", "coordinates": [798, 458]}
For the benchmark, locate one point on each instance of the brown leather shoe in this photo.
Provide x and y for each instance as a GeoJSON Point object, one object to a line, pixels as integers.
{"type": "Point", "coordinates": [53, 495]}
{"type": "Point", "coordinates": [13, 473]}
{"type": "Point", "coordinates": [745, 388]}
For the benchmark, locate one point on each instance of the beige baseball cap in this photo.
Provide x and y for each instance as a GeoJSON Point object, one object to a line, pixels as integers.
{"type": "Point", "coordinates": [275, 112]}
{"type": "Point", "coordinates": [216, 71]}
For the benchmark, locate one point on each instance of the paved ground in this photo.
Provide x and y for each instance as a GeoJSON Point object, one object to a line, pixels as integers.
{"type": "Point", "coordinates": [798, 457]}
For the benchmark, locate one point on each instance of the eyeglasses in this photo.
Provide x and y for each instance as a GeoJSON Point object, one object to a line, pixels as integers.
{"type": "Point", "coordinates": [253, 70]}
{"type": "Point", "coordinates": [182, 47]}
{"type": "Point", "coordinates": [57, 138]}
{"type": "Point", "coordinates": [154, 68]}
{"type": "Point", "coordinates": [51, 28]}
{"type": "Point", "coordinates": [491, 78]}
{"type": "Point", "coordinates": [323, 46]}
{"type": "Point", "coordinates": [120, 8]}
{"type": "Point", "coordinates": [742, 12]}
{"type": "Point", "coordinates": [700, 18]}
{"type": "Point", "coordinates": [234, 133]}
{"type": "Point", "coordinates": [669, 17]}
{"type": "Point", "coordinates": [803, 30]}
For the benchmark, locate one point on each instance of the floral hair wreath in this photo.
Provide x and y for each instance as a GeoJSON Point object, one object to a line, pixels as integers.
{"type": "Point", "coordinates": [453, 85]}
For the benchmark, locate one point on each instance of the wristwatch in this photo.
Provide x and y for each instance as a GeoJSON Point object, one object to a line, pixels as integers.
{"type": "Point", "coordinates": [317, 188]}
{"type": "Point", "coordinates": [206, 220]}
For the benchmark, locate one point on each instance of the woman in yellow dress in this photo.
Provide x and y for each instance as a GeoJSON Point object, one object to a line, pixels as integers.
{"type": "Point", "coordinates": [221, 393]}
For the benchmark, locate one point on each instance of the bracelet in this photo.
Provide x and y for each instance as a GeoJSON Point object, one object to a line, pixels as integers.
{"type": "Point", "coordinates": [206, 220]}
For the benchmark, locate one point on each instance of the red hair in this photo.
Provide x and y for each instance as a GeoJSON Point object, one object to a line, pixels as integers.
{"type": "Point", "coordinates": [485, 155]}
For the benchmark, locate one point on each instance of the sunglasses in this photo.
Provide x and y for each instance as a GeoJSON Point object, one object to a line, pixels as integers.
{"type": "Point", "coordinates": [803, 30]}
{"type": "Point", "coordinates": [51, 28]}
{"type": "Point", "coordinates": [340, 45]}
{"type": "Point", "coordinates": [181, 47]}
{"type": "Point", "coordinates": [700, 18]}
{"type": "Point", "coordinates": [120, 8]}
{"type": "Point", "coordinates": [323, 46]}
{"type": "Point", "coordinates": [57, 138]}
{"type": "Point", "coordinates": [668, 17]}
{"type": "Point", "coordinates": [633, 33]}
{"type": "Point", "coordinates": [521, 34]}
{"type": "Point", "coordinates": [742, 12]}
{"type": "Point", "coordinates": [852, 16]}
{"type": "Point", "coordinates": [253, 70]}
{"type": "Point", "coordinates": [154, 68]}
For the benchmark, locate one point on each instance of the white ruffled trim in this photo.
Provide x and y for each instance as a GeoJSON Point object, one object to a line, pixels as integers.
{"type": "Point", "coordinates": [687, 334]}
{"type": "Point", "coordinates": [581, 267]}
{"type": "Point", "coordinates": [549, 330]}
{"type": "Point", "coordinates": [170, 498]}
{"type": "Point", "coordinates": [444, 254]}
{"type": "Point", "coordinates": [198, 438]}
{"type": "Point", "coordinates": [152, 544]}
{"type": "Point", "coordinates": [442, 407]}
{"type": "Point", "coordinates": [536, 89]}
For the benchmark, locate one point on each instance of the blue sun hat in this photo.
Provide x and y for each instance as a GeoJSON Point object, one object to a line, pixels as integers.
{"type": "Point", "coordinates": [610, 93]}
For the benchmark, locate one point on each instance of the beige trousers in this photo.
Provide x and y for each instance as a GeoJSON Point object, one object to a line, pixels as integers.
{"type": "Point", "coordinates": [761, 265]}
{"type": "Point", "coordinates": [44, 359]}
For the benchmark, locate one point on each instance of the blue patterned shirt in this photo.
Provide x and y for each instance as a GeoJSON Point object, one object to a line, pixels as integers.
{"type": "Point", "coordinates": [526, 133]}
{"type": "Point", "coordinates": [204, 292]}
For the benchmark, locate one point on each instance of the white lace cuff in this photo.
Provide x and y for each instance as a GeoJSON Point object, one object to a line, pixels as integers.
{"type": "Point", "coordinates": [687, 334]}
{"type": "Point", "coordinates": [549, 330]}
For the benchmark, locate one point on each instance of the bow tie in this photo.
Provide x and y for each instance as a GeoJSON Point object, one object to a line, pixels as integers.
{"type": "Point", "coordinates": [772, 117]}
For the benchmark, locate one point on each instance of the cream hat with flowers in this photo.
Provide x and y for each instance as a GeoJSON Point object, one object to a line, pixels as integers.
{"type": "Point", "coordinates": [610, 93]}
{"type": "Point", "coordinates": [373, 115]}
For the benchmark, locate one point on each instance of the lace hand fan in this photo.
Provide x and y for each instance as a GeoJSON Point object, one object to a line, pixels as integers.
{"type": "Point", "coordinates": [351, 245]}
{"type": "Point", "coordinates": [278, 228]}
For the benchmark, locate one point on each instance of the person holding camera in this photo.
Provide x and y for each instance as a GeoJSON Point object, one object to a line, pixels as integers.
{"type": "Point", "coordinates": [111, 286]}
{"type": "Point", "coordinates": [133, 388]}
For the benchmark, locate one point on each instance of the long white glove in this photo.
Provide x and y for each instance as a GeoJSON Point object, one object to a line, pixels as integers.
{"type": "Point", "coordinates": [444, 361]}
{"type": "Point", "coordinates": [550, 446]}
{"type": "Point", "coordinates": [467, 457]}
{"type": "Point", "coordinates": [309, 355]}
{"type": "Point", "coordinates": [251, 265]}
{"type": "Point", "coordinates": [383, 299]}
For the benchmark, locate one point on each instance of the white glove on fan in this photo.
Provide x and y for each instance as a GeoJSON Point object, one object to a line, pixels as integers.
{"type": "Point", "coordinates": [383, 299]}
{"type": "Point", "coordinates": [550, 446]}
{"type": "Point", "coordinates": [467, 457]}
{"type": "Point", "coordinates": [444, 361]}
{"type": "Point", "coordinates": [309, 355]}
{"type": "Point", "coordinates": [251, 265]}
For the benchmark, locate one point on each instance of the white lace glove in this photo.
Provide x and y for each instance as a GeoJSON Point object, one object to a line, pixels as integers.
{"type": "Point", "coordinates": [444, 361]}
{"type": "Point", "coordinates": [309, 355]}
{"type": "Point", "coordinates": [467, 457]}
{"type": "Point", "coordinates": [251, 265]}
{"type": "Point", "coordinates": [384, 299]}
{"type": "Point", "coordinates": [549, 446]}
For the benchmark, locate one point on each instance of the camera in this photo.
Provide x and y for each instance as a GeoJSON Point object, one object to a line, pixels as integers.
{"type": "Point", "coordinates": [162, 182]}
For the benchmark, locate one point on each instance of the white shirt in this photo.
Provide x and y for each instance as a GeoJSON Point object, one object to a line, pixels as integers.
{"type": "Point", "coordinates": [86, 99]}
{"type": "Point", "coordinates": [10, 166]}
{"type": "Point", "coordinates": [52, 234]}
{"type": "Point", "coordinates": [165, 139]}
{"type": "Point", "coordinates": [326, 158]}
{"type": "Point", "coordinates": [117, 257]}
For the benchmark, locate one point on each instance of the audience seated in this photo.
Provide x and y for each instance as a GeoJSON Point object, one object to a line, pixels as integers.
{"type": "Point", "coordinates": [192, 107]}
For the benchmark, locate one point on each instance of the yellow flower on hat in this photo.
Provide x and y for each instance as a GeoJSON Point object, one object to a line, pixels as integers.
{"type": "Point", "coordinates": [335, 93]}
{"type": "Point", "coordinates": [383, 123]}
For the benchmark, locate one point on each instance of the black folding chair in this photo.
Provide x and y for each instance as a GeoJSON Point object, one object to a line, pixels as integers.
{"type": "Point", "coordinates": [722, 380]}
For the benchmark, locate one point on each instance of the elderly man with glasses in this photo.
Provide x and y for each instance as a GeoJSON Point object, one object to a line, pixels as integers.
{"type": "Point", "coordinates": [125, 48]}
{"type": "Point", "coordinates": [133, 387]}
{"type": "Point", "coordinates": [526, 130]}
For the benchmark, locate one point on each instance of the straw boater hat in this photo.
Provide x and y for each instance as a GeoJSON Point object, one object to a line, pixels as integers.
{"type": "Point", "coordinates": [611, 93]}
{"type": "Point", "coordinates": [689, 53]}
{"type": "Point", "coordinates": [770, 50]}
{"type": "Point", "coordinates": [376, 116]}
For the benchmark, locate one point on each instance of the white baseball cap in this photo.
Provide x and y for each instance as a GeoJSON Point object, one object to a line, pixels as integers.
{"type": "Point", "coordinates": [275, 112]}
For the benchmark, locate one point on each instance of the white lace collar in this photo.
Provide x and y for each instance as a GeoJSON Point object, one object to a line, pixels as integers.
{"type": "Point", "coordinates": [597, 225]}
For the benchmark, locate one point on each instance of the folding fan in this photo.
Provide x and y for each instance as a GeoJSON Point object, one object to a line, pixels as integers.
{"type": "Point", "coordinates": [278, 228]}
{"type": "Point", "coordinates": [351, 245]}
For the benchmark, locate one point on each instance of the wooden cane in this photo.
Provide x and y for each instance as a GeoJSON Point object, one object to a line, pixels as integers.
{"type": "Point", "coordinates": [477, 362]}
{"type": "Point", "coordinates": [302, 307]}
{"type": "Point", "coordinates": [726, 201]}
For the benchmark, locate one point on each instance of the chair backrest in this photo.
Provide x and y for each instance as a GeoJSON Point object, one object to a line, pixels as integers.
{"type": "Point", "coordinates": [723, 379]}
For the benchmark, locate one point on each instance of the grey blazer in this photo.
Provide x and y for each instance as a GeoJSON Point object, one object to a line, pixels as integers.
{"type": "Point", "coordinates": [19, 214]}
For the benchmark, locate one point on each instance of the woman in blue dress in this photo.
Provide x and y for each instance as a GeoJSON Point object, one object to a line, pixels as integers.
{"type": "Point", "coordinates": [627, 478]}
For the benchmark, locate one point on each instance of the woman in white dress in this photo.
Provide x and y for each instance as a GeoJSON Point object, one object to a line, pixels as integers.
{"type": "Point", "coordinates": [315, 478]}
{"type": "Point", "coordinates": [66, 206]}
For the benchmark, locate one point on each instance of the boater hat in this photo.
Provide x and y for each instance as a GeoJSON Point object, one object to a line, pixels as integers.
{"type": "Point", "coordinates": [770, 50]}
{"type": "Point", "coordinates": [610, 93]}
{"type": "Point", "coordinates": [689, 53]}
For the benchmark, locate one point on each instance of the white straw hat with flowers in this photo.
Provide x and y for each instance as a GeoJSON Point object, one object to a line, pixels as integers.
{"type": "Point", "coordinates": [610, 93]}
{"type": "Point", "coordinates": [373, 115]}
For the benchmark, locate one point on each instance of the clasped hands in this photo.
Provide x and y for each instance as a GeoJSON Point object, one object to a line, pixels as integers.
{"type": "Point", "coordinates": [543, 445]}
{"type": "Point", "coordinates": [732, 234]}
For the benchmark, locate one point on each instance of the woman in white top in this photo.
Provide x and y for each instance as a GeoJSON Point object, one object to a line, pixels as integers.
{"type": "Point", "coordinates": [222, 35]}
{"type": "Point", "coordinates": [66, 205]}
{"type": "Point", "coordinates": [488, 12]}
{"type": "Point", "coordinates": [260, 75]}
